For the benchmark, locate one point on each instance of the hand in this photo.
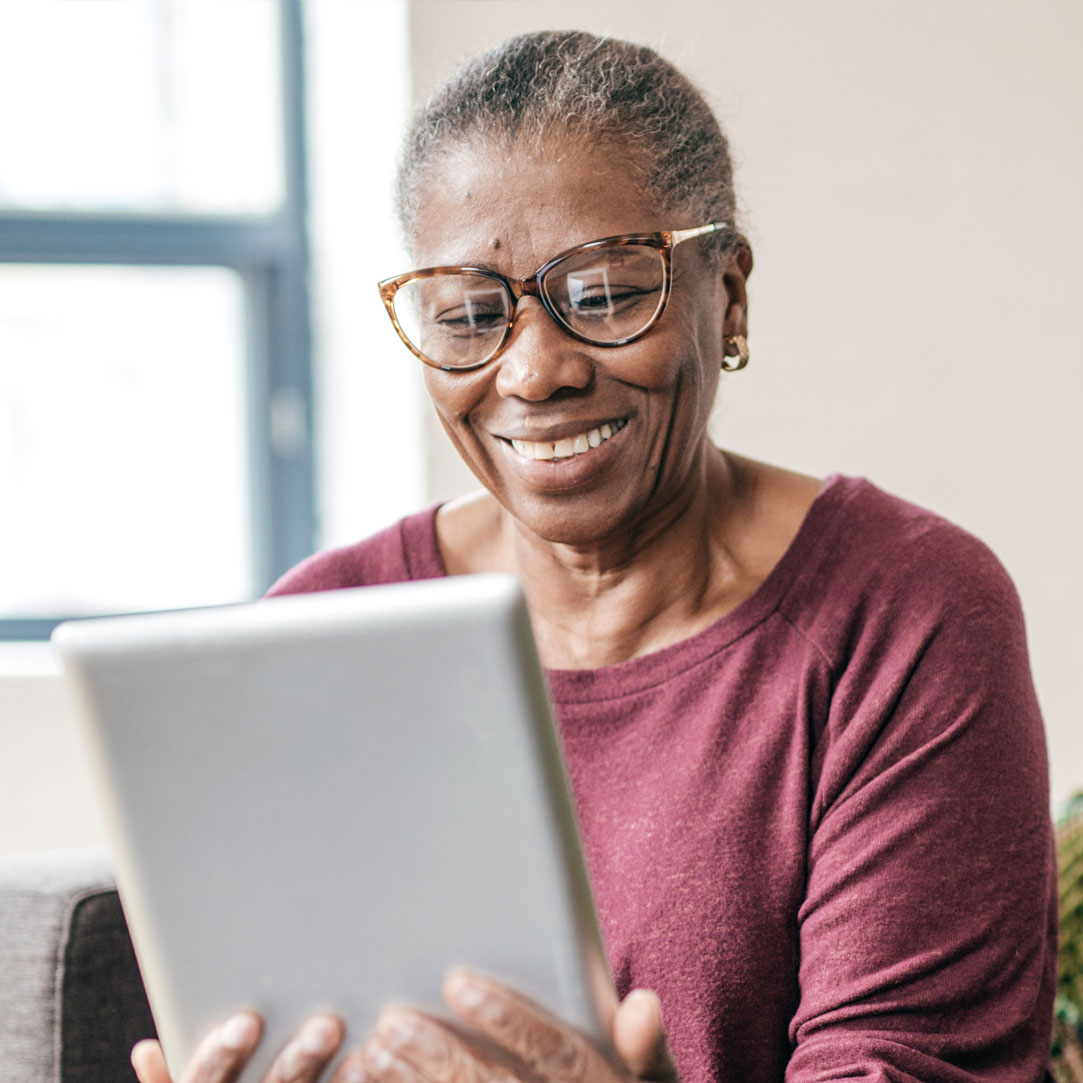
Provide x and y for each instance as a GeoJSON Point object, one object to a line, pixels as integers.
{"type": "Point", "coordinates": [222, 1055]}
{"type": "Point", "coordinates": [507, 1038]}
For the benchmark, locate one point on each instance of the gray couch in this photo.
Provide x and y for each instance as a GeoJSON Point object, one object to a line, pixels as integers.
{"type": "Point", "coordinates": [71, 1001]}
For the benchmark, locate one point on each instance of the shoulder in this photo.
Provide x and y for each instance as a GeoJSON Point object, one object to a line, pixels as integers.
{"type": "Point", "coordinates": [403, 551]}
{"type": "Point", "coordinates": [877, 565]}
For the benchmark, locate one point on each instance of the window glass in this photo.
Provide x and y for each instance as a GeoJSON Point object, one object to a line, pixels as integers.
{"type": "Point", "coordinates": [123, 451]}
{"type": "Point", "coordinates": [140, 105]}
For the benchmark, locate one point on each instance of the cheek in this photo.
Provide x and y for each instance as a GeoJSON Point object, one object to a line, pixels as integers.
{"type": "Point", "coordinates": [454, 395]}
{"type": "Point", "coordinates": [701, 357]}
{"type": "Point", "coordinates": [673, 364]}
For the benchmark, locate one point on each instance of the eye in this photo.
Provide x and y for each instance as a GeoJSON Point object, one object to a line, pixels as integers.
{"type": "Point", "coordinates": [470, 319]}
{"type": "Point", "coordinates": [608, 284]}
{"type": "Point", "coordinates": [609, 301]}
{"type": "Point", "coordinates": [470, 308]}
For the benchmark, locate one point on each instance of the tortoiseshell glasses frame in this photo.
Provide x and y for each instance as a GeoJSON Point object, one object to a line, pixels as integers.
{"type": "Point", "coordinates": [515, 289]}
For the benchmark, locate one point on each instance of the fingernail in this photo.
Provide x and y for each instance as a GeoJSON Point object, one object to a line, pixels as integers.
{"type": "Point", "coordinates": [412, 1036]}
{"type": "Point", "coordinates": [465, 990]}
{"type": "Point", "coordinates": [397, 1030]}
{"type": "Point", "coordinates": [240, 1032]}
{"type": "Point", "coordinates": [141, 1050]}
{"type": "Point", "coordinates": [352, 1070]}
{"type": "Point", "coordinates": [377, 1058]}
{"type": "Point", "coordinates": [318, 1037]}
{"type": "Point", "coordinates": [644, 998]}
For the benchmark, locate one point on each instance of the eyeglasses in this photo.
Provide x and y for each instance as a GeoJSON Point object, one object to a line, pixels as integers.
{"type": "Point", "coordinates": [605, 293]}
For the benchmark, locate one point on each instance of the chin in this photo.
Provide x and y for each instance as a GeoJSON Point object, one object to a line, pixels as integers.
{"type": "Point", "coordinates": [582, 523]}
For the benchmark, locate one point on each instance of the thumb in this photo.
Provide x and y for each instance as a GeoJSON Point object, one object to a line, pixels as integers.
{"type": "Point", "coordinates": [148, 1062]}
{"type": "Point", "coordinates": [640, 1038]}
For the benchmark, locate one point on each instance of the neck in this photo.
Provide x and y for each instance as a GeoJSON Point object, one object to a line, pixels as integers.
{"type": "Point", "coordinates": [644, 588]}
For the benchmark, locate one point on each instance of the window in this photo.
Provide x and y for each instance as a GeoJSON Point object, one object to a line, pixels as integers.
{"type": "Point", "coordinates": [155, 378]}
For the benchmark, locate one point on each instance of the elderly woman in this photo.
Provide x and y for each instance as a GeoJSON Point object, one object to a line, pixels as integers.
{"type": "Point", "coordinates": [798, 717]}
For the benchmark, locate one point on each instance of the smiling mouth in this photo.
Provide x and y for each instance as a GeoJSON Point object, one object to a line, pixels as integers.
{"type": "Point", "coordinates": [571, 446]}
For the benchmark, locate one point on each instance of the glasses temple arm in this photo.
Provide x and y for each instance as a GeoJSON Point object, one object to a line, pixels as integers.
{"type": "Point", "coordinates": [679, 235]}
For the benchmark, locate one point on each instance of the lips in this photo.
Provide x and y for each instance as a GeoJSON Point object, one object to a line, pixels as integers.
{"type": "Point", "coordinates": [570, 446]}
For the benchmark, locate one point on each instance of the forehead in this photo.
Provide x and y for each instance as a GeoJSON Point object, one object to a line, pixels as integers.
{"type": "Point", "coordinates": [533, 202]}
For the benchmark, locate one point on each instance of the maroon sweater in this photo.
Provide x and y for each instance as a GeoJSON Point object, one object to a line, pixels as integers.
{"type": "Point", "coordinates": [820, 827]}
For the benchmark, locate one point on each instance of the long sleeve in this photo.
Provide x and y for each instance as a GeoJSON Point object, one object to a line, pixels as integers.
{"type": "Point", "coordinates": [927, 932]}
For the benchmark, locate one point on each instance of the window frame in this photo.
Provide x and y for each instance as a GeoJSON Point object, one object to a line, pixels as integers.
{"type": "Point", "coordinates": [270, 253]}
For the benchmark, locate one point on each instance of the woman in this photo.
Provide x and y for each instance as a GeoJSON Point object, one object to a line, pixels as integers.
{"type": "Point", "coordinates": [799, 722]}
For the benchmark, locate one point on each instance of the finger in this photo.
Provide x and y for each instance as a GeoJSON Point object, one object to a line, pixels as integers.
{"type": "Point", "coordinates": [383, 1066]}
{"type": "Point", "coordinates": [351, 1069]}
{"type": "Point", "coordinates": [148, 1062]}
{"type": "Point", "coordinates": [410, 1048]}
{"type": "Point", "coordinates": [640, 1038]}
{"type": "Point", "coordinates": [551, 1048]}
{"type": "Point", "coordinates": [309, 1051]}
{"type": "Point", "coordinates": [222, 1055]}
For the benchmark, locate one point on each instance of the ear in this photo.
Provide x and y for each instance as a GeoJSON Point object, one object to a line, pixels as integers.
{"type": "Point", "coordinates": [734, 277]}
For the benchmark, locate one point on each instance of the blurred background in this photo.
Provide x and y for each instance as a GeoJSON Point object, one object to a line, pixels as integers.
{"type": "Point", "coordinates": [198, 384]}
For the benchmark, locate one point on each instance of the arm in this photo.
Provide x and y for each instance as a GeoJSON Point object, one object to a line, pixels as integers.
{"type": "Point", "coordinates": [927, 933]}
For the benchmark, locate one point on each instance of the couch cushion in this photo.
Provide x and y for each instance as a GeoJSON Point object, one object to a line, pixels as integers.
{"type": "Point", "coordinates": [71, 1000]}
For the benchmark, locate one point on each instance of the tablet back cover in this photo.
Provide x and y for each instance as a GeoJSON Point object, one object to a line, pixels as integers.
{"type": "Point", "coordinates": [328, 800]}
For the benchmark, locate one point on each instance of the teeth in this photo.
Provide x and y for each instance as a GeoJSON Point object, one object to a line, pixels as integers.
{"type": "Point", "coordinates": [573, 445]}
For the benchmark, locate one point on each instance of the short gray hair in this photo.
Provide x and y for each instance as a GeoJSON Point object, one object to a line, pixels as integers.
{"type": "Point", "coordinates": [573, 84]}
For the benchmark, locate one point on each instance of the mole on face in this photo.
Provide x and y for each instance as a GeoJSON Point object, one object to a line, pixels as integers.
{"type": "Point", "coordinates": [494, 242]}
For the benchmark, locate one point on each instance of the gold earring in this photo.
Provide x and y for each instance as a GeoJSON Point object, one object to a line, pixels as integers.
{"type": "Point", "coordinates": [739, 345]}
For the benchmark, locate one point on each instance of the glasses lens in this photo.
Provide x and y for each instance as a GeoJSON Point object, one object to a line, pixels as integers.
{"type": "Point", "coordinates": [456, 320]}
{"type": "Point", "coordinates": [608, 294]}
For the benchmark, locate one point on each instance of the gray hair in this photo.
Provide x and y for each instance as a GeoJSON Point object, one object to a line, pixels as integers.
{"type": "Point", "coordinates": [576, 85]}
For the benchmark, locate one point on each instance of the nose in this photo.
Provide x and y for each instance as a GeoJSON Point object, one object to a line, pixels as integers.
{"type": "Point", "coordinates": [540, 359]}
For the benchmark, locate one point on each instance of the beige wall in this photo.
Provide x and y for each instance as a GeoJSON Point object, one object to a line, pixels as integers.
{"type": "Point", "coordinates": [910, 175]}
{"type": "Point", "coordinates": [46, 797]}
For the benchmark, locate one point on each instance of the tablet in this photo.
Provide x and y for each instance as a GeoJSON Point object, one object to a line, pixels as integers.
{"type": "Point", "coordinates": [326, 801]}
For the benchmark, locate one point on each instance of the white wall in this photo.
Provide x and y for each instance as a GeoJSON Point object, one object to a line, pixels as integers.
{"type": "Point", "coordinates": [911, 176]}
